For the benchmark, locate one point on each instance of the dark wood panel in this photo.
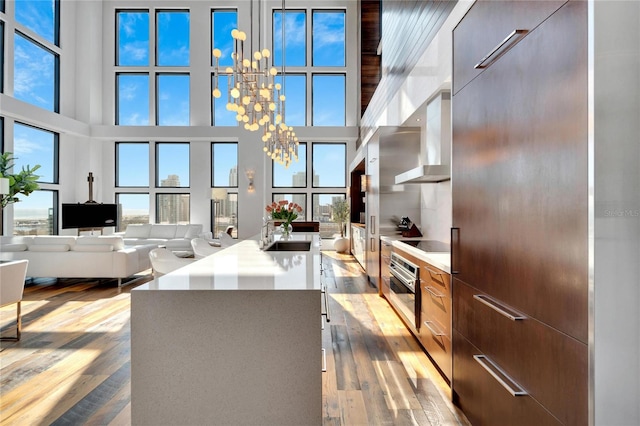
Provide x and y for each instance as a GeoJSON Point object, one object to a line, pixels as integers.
{"type": "Point", "coordinates": [520, 175]}
{"type": "Point", "coordinates": [436, 309]}
{"type": "Point", "coordinates": [484, 401]}
{"type": "Point", "coordinates": [486, 25]}
{"type": "Point", "coordinates": [551, 366]}
{"type": "Point", "coordinates": [438, 348]}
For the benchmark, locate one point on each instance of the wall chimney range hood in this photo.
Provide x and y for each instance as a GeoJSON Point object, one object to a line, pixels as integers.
{"type": "Point", "coordinates": [425, 174]}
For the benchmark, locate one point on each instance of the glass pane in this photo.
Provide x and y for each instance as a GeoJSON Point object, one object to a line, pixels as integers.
{"type": "Point", "coordinates": [295, 39]}
{"type": "Point", "coordinates": [328, 39]}
{"type": "Point", "coordinates": [35, 147]}
{"type": "Point", "coordinates": [173, 100]}
{"type": "Point", "coordinates": [225, 214]}
{"type": "Point", "coordinates": [133, 38]}
{"type": "Point", "coordinates": [223, 22]}
{"type": "Point", "coordinates": [296, 175]}
{"type": "Point", "coordinates": [328, 100]}
{"type": "Point", "coordinates": [172, 165]}
{"type": "Point", "coordinates": [134, 208]}
{"type": "Point", "coordinates": [39, 16]}
{"type": "Point", "coordinates": [133, 100]}
{"type": "Point", "coordinates": [225, 164]}
{"type": "Point", "coordinates": [35, 74]}
{"type": "Point", "coordinates": [221, 115]}
{"type": "Point", "coordinates": [36, 214]}
{"type": "Point", "coordinates": [132, 164]}
{"type": "Point", "coordinates": [299, 199]}
{"type": "Point", "coordinates": [172, 208]}
{"type": "Point", "coordinates": [173, 39]}
{"type": "Point", "coordinates": [322, 208]}
{"type": "Point", "coordinates": [295, 91]}
{"type": "Point", "coordinates": [329, 165]}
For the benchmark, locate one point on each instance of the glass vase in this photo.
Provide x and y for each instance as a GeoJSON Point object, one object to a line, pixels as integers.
{"type": "Point", "coordinates": [285, 230]}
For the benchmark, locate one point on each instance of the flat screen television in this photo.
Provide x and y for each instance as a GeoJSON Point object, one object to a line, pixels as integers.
{"type": "Point", "coordinates": [92, 215]}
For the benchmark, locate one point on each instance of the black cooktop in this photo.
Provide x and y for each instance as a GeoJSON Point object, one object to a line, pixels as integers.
{"type": "Point", "coordinates": [428, 245]}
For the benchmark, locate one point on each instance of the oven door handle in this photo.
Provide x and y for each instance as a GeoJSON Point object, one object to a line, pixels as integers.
{"type": "Point", "coordinates": [408, 283]}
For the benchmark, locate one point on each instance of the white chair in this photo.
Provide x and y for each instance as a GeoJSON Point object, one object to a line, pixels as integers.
{"type": "Point", "coordinates": [226, 240]}
{"type": "Point", "coordinates": [164, 261]}
{"type": "Point", "coordinates": [202, 248]}
{"type": "Point", "coordinates": [12, 276]}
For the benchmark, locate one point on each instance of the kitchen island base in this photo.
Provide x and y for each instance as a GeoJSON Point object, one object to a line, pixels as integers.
{"type": "Point", "coordinates": [226, 357]}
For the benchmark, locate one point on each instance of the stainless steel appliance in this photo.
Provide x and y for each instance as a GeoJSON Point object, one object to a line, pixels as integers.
{"type": "Point", "coordinates": [403, 281]}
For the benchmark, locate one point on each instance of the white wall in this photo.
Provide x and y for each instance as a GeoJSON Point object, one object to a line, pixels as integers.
{"type": "Point", "coordinates": [615, 238]}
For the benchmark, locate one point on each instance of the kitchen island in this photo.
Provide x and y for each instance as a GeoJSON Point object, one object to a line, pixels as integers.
{"type": "Point", "coordinates": [233, 338]}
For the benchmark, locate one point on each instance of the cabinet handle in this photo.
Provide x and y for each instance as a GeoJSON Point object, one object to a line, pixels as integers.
{"type": "Point", "coordinates": [432, 272]}
{"type": "Point", "coordinates": [502, 310]}
{"type": "Point", "coordinates": [432, 329]}
{"type": "Point", "coordinates": [373, 245]}
{"type": "Point", "coordinates": [496, 372]}
{"type": "Point", "coordinates": [481, 64]}
{"type": "Point", "coordinates": [454, 246]}
{"type": "Point", "coordinates": [324, 360]}
{"type": "Point", "coordinates": [372, 225]}
{"type": "Point", "coordinates": [433, 293]}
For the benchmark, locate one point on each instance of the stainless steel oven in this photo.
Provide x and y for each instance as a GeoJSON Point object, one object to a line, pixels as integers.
{"type": "Point", "coordinates": [404, 279]}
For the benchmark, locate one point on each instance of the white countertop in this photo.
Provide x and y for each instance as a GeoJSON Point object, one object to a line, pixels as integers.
{"type": "Point", "coordinates": [440, 260]}
{"type": "Point", "coordinates": [244, 266]}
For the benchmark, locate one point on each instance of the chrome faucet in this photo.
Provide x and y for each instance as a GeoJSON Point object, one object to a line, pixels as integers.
{"type": "Point", "coordinates": [266, 235]}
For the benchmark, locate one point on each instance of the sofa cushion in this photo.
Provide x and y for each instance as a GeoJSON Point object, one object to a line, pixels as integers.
{"type": "Point", "coordinates": [93, 247]}
{"type": "Point", "coordinates": [116, 242]}
{"type": "Point", "coordinates": [162, 231]}
{"type": "Point", "coordinates": [181, 230]}
{"type": "Point", "coordinates": [53, 239]}
{"type": "Point", "coordinates": [193, 232]}
{"type": "Point", "coordinates": [13, 247]}
{"type": "Point", "coordinates": [137, 230]}
{"type": "Point", "coordinates": [49, 247]}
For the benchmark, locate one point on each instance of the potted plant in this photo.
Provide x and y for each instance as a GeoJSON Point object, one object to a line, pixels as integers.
{"type": "Point", "coordinates": [340, 215]}
{"type": "Point", "coordinates": [23, 182]}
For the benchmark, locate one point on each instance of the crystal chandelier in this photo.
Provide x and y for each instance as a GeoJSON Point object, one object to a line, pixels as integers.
{"type": "Point", "coordinates": [255, 97]}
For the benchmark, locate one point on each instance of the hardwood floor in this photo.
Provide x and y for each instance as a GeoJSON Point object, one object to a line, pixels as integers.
{"type": "Point", "coordinates": [72, 365]}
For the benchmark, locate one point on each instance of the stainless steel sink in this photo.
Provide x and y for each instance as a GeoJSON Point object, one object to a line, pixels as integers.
{"type": "Point", "coordinates": [290, 246]}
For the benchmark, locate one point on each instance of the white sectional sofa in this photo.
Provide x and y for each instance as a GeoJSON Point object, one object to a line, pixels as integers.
{"type": "Point", "coordinates": [62, 256]}
{"type": "Point", "coordinates": [174, 237]}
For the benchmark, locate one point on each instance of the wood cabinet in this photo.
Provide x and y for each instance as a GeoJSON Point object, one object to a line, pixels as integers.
{"type": "Point", "coordinates": [520, 245]}
{"type": "Point", "coordinates": [385, 257]}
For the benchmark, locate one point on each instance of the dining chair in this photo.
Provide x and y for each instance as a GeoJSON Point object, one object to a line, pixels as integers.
{"type": "Point", "coordinates": [12, 277]}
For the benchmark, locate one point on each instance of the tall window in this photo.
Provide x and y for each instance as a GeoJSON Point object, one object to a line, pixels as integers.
{"type": "Point", "coordinates": [36, 146]}
{"type": "Point", "coordinates": [224, 159]}
{"type": "Point", "coordinates": [329, 165]}
{"type": "Point", "coordinates": [36, 214]}
{"type": "Point", "coordinates": [172, 165]}
{"type": "Point", "coordinates": [132, 164]}
{"type": "Point", "coordinates": [132, 103]}
{"type": "Point", "coordinates": [172, 208]}
{"type": "Point", "coordinates": [1, 57]}
{"type": "Point", "coordinates": [173, 100]}
{"type": "Point", "coordinates": [224, 210]}
{"type": "Point", "coordinates": [329, 100]}
{"type": "Point", "coordinates": [295, 39]}
{"type": "Point", "coordinates": [300, 199]}
{"type": "Point", "coordinates": [222, 22]}
{"type": "Point", "coordinates": [40, 16]}
{"type": "Point", "coordinates": [296, 175]}
{"type": "Point", "coordinates": [172, 38]}
{"type": "Point", "coordinates": [134, 208]}
{"type": "Point", "coordinates": [36, 71]}
{"type": "Point", "coordinates": [132, 45]}
{"type": "Point", "coordinates": [328, 38]}
{"type": "Point", "coordinates": [322, 207]}
{"type": "Point", "coordinates": [295, 91]}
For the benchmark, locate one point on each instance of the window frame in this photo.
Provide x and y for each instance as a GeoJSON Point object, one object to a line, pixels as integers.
{"type": "Point", "coordinates": [121, 211]}
{"type": "Point", "coordinates": [55, 149]}
{"type": "Point", "coordinates": [313, 145]}
{"type": "Point", "coordinates": [157, 164]}
{"type": "Point", "coordinates": [117, 36]}
{"type": "Point", "coordinates": [116, 183]}
{"type": "Point", "coordinates": [346, 55]}
{"type": "Point", "coordinates": [302, 218]}
{"type": "Point", "coordinates": [314, 194]}
{"type": "Point", "coordinates": [157, 34]}
{"type": "Point", "coordinates": [328, 74]}
{"type": "Point", "coordinates": [55, 206]}
{"type": "Point", "coordinates": [157, 97]}
{"type": "Point", "coordinates": [56, 70]}
{"type": "Point", "coordinates": [212, 156]}
{"type": "Point", "coordinates": [157, 205]}
{"type": "Point", "coordinates": [306, 170]}
{"type": "Point", "coordinates": [117, 96]}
